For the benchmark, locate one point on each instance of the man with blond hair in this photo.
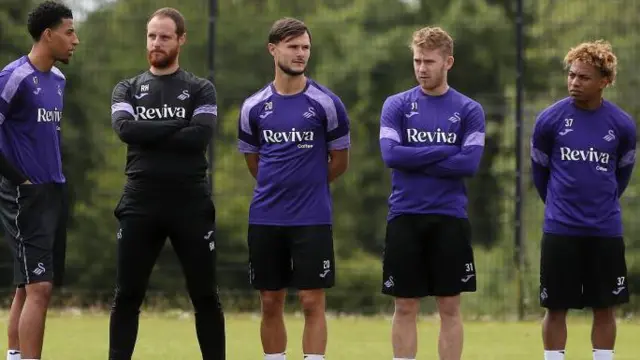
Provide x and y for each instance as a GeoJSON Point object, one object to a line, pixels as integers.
{"type": "Point", "coordinates": [432, 137]}
{"type": "Point", "coordinates": [583, 153]}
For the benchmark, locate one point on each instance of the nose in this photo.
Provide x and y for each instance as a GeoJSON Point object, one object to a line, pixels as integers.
{"type": "Point", "coordinates": [574, 82]}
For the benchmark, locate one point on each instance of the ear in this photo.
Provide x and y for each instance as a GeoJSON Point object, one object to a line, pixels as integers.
{"type": "Point", "coordinates": [272, 49]}
{"type": "Point", "coordinates": [47, 34]}
{"type": "Point", "coordinates": [449, 62]}
{"type": "Point", "coordinates": [604, 82]}
{"type": "Point", "coordinates": [182, 39]}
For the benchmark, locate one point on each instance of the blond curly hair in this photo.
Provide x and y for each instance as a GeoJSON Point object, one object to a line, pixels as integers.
{"type": "Point", "coordinates": [598, 53]}
{"type": "Point", "coordinates": [432, 38]}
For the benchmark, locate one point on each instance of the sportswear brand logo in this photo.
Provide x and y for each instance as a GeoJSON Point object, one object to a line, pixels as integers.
{"type": "Point", "coordinates": [165, 112]}
{"type": "Point", "coordinates": [389, 283]}
{"type": "Point", "coordinates": [438, 136]}
{"type": "Point", "coordinates": [324, 274]}
{"type": "Point", "coordinates": [618, 290]}
{"type": "Point", "coordinates": [37, 91]}
{"type": "Point", "coordinates": [271, 136]}
{"type": "Point", "coordinates": [140, 96]}
{"type": "Point", "coordinates": [467, 278]}
{"type": "Point", "coordinates": [565, 132]}
{"type": "Point", "coordinates": [45, 115]}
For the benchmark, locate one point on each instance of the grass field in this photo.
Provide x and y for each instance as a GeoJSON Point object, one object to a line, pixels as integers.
{"type": "Point", "coordinates": [170, 336]}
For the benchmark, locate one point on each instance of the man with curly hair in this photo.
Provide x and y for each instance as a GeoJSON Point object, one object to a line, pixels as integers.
{"type": "Point", "coordinates": [32, 183]}
{"type": "Point", "coordinates": [583, 153]}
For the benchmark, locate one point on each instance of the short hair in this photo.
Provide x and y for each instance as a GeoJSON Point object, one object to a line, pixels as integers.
{"type": "Point", "coordinates": [598, 53]}
{"type": "Point", "coordinates": [432, 38]}
{"type": "Point", "coordinates": [174, 15]}
{"type": "Point", "coordinates": [47, 15]}
{"type": "Point", "coordinates": [285, 28]}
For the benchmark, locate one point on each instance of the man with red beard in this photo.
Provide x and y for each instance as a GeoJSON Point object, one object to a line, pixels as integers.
{"type": "Point", "coordinates": [166, 117]}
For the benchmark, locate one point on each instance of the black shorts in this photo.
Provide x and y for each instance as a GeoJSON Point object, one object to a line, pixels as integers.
{"type": "Point", "coordinates": [299, 257]}
{"type": "Point", "coordinates": [582, 271]}
{"type": "Point", "coordinates": [34, 217]}
{"type": "Point", "coordinates": [428, 255]}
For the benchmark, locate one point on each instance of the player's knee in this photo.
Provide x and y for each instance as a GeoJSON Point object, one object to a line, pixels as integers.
{"type": "Point", "coordinates": [272, 303]}
{"type": "Point", "coordinates": [405, 307]}
{"type": "Point", "coordinates": [312, 301]}
{"type": "Point", "coordinates": [39, 292]}
{"type": "Point", "coordinates": [448, 306]}
{"type": "Point", "coordinates": [127, 300]}
{"type": "Point", "coordinates": [603, 315]}
{"type": "Point", "coordinates": [207, 304]}
{"type": "Point", "coordinates": [556, 316]}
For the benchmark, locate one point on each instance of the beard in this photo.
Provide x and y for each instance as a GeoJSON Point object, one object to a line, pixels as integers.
{"type": "Point", "coordinates": [289, 71]}
{"type": "Point", "coordinates": [436, 80]}
{"type": "Point", "coordinates": [162, 60]}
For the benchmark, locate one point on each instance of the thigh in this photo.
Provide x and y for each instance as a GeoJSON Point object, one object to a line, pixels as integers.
{"type": "Point", "coordinates": [140, 239]}
{"type": "Point", "coordinates": [60, 236]}
{"type": "Point", "coordinates": [312, 256]}
{"type": "Point", "coordinates": [35, 221]}
{"type": "Point", "coordinates": [450, 258]}
{"type": "Point", "coordinates": [561, 272]}
{"type": "Point", "coordinates": [403, 268]}
{"type": "Point", "coordinates": [192, 234]}
{"type": "Point", "coordinates": [605, 273]}
{"type": "Point", "coordinates": [269, 258]}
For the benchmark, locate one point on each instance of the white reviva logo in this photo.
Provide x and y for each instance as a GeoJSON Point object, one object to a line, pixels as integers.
{"type": "Point", "coordinates": [45, 115]}
{"type": "Point", "coordinates": [438, 136]}
{"type": "Point", "coordinates": [165, 112]}
{"type": "Point", "coordinates": [591, 155]}
{"type": "Point", "coordinates": [271, 136]}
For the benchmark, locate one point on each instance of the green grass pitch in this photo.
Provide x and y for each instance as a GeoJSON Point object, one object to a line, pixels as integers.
{"type": "Point", "coordinates": [169, 336]}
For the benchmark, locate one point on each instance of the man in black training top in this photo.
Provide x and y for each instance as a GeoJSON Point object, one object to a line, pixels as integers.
{"type": "Point", "coordinates": [166, 117]}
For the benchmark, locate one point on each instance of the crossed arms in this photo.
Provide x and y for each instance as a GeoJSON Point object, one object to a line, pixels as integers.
{"type": "Point", "coordinates": [435, 160]}
{"type": "Point", "coordinates": [173, 134]}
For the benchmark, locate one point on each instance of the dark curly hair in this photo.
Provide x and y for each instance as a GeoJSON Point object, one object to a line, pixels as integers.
{"type": "Point", "coordinates": [47, 15]}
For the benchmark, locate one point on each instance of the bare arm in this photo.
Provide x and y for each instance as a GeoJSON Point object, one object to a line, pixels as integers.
{"type": "Point", "coordinates": [338, 163]}
{"type": "Point", "coordinates": [252, 163]}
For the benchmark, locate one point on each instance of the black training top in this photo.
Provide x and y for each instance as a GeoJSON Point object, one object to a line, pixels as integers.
{"type": "Point", "coordinates": [167, 123]}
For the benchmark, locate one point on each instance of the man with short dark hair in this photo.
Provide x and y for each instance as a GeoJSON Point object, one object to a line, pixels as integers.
{"type": "Point", "coordinates": [32, 187]}
{"type": "Point", "coordinates": [166, 117]}
{"type": "Point", "coordinates": [287, 131]}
